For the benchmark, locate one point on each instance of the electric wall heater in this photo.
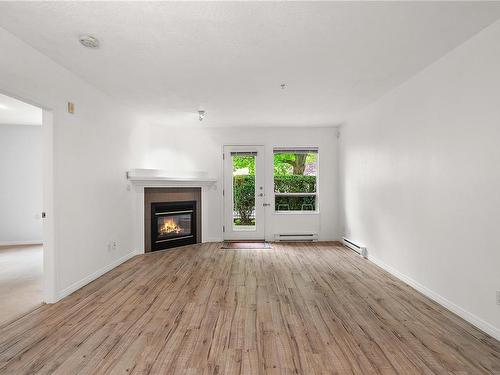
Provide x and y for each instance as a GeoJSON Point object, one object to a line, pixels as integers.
{"type": "Point", "coordinates": [296, 237]}
{"type": "Point", "coordinates": [360, 249]}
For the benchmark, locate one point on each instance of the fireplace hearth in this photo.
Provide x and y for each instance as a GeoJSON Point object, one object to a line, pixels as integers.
{"type": "Point", "coordinates": [173, 224]}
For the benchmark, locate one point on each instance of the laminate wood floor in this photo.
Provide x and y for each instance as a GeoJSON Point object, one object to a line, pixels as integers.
{"type": "Point", "coordinates": [294, 309]}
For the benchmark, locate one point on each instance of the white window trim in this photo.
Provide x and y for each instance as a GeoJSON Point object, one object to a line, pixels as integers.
{"type": "Point", "coordinates": [305, 212]}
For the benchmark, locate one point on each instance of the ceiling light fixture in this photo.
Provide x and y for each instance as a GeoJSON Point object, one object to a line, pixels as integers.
{"type": "Point", "coordinates": [201, 114]}
{"type": "Point", "coordinates": [89, 41]}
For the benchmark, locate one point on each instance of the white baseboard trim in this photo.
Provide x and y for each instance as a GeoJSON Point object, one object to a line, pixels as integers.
{"type": "Point", "coordinates": [464, 314]}
{"type": "Point", "coordinates": [81, 283]}
{"type": "Point", "coordinates": [21, 243]}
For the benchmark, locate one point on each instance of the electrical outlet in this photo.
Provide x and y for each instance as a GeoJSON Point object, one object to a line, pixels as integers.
{"type": "Point", "coordinates": [113, 246]}
{"type": "Point", "coordinates": [498, 297]}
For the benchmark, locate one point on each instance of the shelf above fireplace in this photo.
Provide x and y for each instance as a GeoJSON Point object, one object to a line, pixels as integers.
{"type": "Point", "coordinates": [157, 176]}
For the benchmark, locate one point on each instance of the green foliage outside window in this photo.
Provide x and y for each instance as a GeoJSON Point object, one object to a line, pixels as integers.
{"type": "Point", "coordinates": [244, 195]}
{"type": "Point", "coordinates": [293, 173]}
{"type": "Point", "coordinates": [244, 198]}
{"type": "Point", "coordinates": [243, 162]}
{"type": "Point", "coordinates": [293, 164]}
{"type": "Point", "coordinates": [295, 184]}
{"type": "Point", "coordinates": [285, 164]}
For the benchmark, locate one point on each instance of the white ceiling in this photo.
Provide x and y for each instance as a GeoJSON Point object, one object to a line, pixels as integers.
{"type": "Point", "coordinates": [166, 60]}
{"type": "Point", "coordinates": [16, 112]}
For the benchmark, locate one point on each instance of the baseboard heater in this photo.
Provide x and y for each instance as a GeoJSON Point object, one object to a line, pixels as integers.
{"type": "Point", "coordinates": [296, 237]}
{"type": "Point", "coordinates": [361, 250]}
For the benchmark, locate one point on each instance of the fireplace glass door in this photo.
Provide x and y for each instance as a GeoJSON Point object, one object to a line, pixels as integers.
{"type": "Point", "coordinates": [172, 224]}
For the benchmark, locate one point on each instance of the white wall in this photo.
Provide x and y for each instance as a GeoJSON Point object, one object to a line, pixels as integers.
{"type": "Point", "coordinates": [92, 150]}
{"type": "Point", "coordinates": [421, 179]}
{"type": "Point", "coordinates": [180, 150]}
{"type": "Point", "coordinates": [21, 184]}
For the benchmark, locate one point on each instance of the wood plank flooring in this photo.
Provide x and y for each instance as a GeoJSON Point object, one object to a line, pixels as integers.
{"type": "Point", "coordinates": [294, 309]}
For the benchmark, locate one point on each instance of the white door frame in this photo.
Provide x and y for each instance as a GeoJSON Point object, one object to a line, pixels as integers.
{"type": "Point", "coordinates": [260, 174]}
{"type": "Point", "coordinates": [49, 250]}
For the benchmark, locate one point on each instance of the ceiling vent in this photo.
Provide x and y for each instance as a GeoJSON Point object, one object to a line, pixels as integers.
{"type": "Point", "coordinates": [89, 41]}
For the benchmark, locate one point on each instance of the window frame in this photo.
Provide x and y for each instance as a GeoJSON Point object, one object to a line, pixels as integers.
{"type": "Point", "coordinates": [316, 194]}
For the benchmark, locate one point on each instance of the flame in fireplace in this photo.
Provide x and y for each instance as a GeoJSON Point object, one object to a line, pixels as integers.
{"type": "Point", "coordinates": [169, 226]}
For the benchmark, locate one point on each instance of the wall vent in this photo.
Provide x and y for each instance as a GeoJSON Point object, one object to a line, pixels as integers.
{"type": "Point", "coordinates": [360, 249]}
{"type": "Point", "coordinates": [289, 237]}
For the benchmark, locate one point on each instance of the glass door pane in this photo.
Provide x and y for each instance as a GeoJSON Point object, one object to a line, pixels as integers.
{"type": "Point", "coordinates": [244, 217]}
{"type": "Point", "coordinates": [175, 225]}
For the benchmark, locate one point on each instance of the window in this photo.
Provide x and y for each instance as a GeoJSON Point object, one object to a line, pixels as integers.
{"type": "Point", "coordinates": [295, 179]}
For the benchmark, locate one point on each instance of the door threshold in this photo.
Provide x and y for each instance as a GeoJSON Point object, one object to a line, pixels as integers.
{"type": "Point", "coordinates": [245, 241]}
{"type": "Point", "coordinates": [245, 245]}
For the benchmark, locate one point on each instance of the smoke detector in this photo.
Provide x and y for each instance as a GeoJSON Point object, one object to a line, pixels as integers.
{"type": "Point", "coordinates": [89, 41]}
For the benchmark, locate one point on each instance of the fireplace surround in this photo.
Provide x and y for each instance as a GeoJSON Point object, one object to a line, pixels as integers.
{"type": "Point", "coordinates": [168, 220]}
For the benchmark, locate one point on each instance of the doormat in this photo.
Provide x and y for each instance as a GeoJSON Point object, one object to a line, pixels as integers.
{"type": "Point", "coordinates": [246, 245]}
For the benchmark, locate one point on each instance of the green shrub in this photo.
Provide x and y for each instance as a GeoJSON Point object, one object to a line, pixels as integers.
{"type": "Point", "coordinates": [244, 195]}
{"type": "Point", "coordinates": [244, 198]}
{"type": "Point", "coordinates": [295, 184]}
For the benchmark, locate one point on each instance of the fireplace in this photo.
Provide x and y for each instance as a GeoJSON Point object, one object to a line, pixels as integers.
{"type": "Point", "coordinates": [173, 224]}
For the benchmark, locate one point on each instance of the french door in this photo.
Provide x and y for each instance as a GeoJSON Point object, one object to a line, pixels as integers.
{"type": "Point", "coordinates": [244, 193]}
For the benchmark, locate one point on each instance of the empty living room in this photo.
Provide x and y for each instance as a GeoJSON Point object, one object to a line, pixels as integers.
{"type": "Point", "coordinates": [249, 187]}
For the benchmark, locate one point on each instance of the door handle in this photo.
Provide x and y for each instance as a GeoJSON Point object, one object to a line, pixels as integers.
{"type": "Point", "coordinates": [266, 204]}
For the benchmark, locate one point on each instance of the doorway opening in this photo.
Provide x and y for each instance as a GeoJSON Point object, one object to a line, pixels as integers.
{"type": "Point", "coordinates": [23, 284]}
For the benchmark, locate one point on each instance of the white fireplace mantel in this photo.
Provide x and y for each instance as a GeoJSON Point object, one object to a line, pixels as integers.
{"type": "Point", "coordinates": [158, 177]}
